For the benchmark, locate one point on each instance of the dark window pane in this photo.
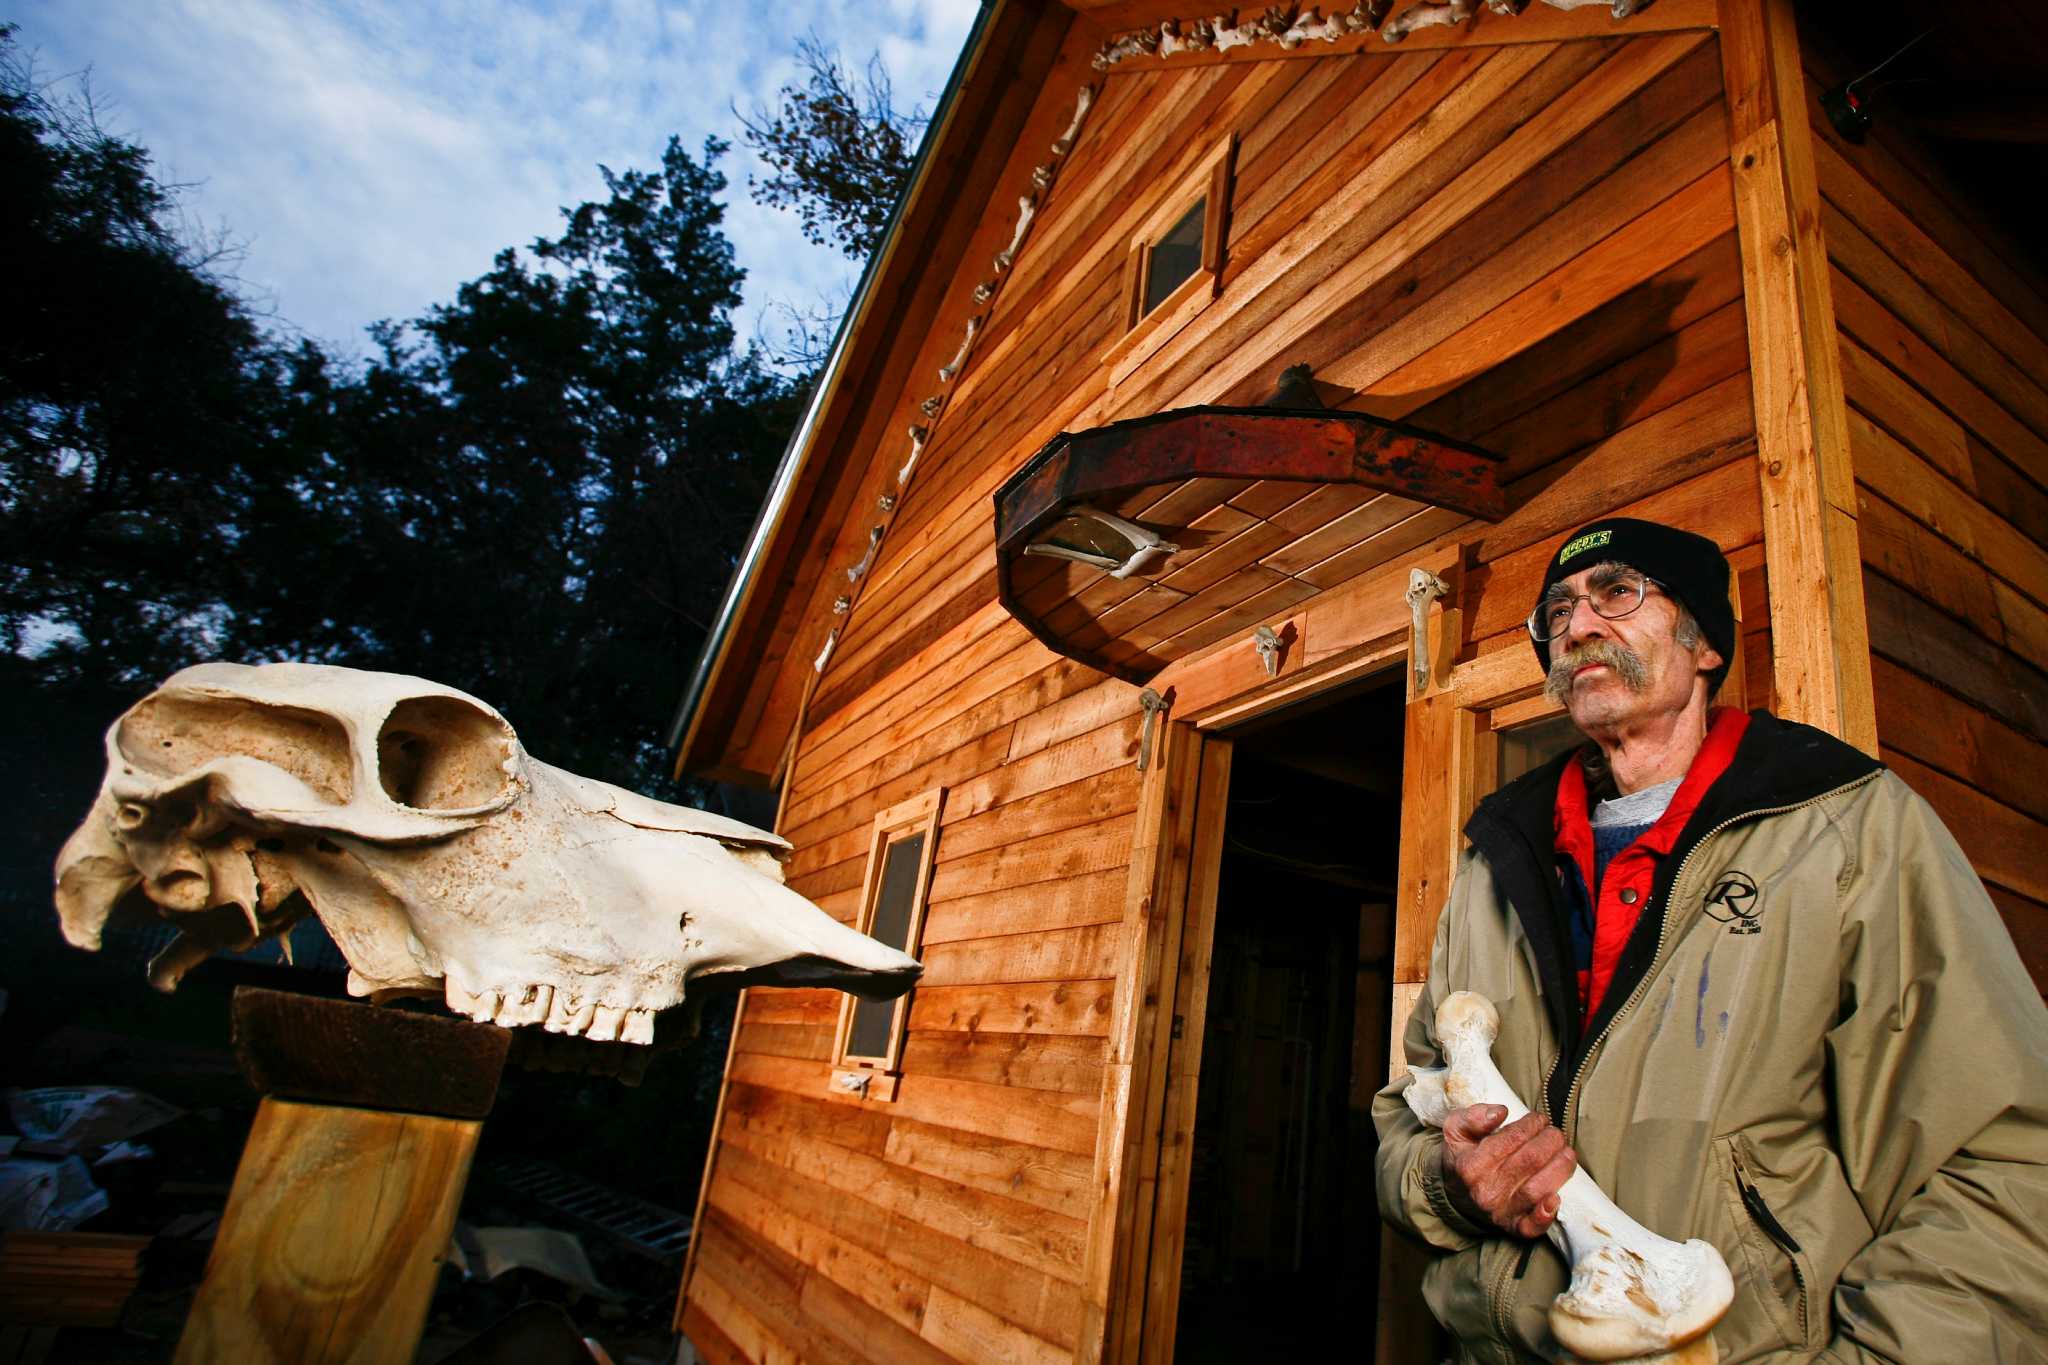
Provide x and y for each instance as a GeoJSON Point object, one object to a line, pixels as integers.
{"type": "Point", "coordinates": [1530, 746]}
{"type": "Point", "coordinates": [1174, 257]}
{"type": "Point", "coordinates": [894, 901]}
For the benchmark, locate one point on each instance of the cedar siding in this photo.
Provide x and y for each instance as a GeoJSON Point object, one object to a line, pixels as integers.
{"type": "Point", "coordinates": [1944, 346]}
{"type": "Point", "coordinates": [1527, 247]}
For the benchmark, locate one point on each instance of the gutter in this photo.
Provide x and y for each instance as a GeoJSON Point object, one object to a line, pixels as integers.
{"type": "Point", "coordinates": [769, 522]}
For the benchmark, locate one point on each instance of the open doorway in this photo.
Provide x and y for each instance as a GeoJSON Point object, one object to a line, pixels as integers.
{"type": "Point", "coordinates": [1281, 1217]}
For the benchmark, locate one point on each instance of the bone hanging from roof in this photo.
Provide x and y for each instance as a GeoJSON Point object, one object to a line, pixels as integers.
{"type": "Point", "coordinates": [1294, 437]}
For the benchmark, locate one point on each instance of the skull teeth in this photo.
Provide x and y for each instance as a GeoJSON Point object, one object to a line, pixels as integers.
{"type": "Point", "coordinates": [555, 1010]}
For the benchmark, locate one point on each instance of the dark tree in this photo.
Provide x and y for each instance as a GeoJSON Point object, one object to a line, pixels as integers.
{"type": "Point", "coordinates": [839, 149]}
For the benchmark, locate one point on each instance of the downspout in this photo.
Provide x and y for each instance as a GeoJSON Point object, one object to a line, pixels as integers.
{"type": "Point", "coordinates": [772, 511]}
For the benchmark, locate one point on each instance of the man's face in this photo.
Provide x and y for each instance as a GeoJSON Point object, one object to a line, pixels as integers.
{"type": "Point", "coordinates": [1614, 673]}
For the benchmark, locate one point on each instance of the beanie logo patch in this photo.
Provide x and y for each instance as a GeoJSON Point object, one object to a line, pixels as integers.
{"type": "Point", "coordinates": [1592, 540]}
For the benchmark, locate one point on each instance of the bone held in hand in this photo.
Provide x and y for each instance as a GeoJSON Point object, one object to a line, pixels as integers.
{"type": "Point", "coordinates": [1633, 1293]}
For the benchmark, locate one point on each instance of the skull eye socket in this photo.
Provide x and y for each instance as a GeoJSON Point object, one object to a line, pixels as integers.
{"type": "Point", "coordinates": [442, 753]}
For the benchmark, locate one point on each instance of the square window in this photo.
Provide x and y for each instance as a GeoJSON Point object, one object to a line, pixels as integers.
{"type": "Point", "coordinates": [1175, 266]}
{"type": "Point", "coordinates": [1174, 257]}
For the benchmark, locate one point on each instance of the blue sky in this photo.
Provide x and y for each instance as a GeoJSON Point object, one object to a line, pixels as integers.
{"type": "Point", "coordinates": [374, 154]}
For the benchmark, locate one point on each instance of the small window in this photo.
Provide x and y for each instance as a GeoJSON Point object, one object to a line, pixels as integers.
{"type": "Point", "coordinates": [1175, 266]}
{"type": "Point", "coordinates": [1174, 258]}
{"type": "Point", "coordinates": [1530, 745]}
{"type": "Point", "coordinates": [869, 1044]}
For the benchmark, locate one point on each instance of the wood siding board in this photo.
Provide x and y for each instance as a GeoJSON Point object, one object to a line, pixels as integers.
{"type": "Point", "coordinates": [1910, 483]}
{"type": "Point", "coordinates": [1058, 1181]}
{"type": "Point", "coordinates": [1082, 953]}
{"type": "Point", "coordinates": [803, 1176]}
{"type": "Point", "coordinates": [1063, 1007]}
{"type": "Point", "coordinates": [1660, 139]}
{"type": "Point", "coordinates": [1641, 319]}
{"type": "Point", "coordinates": [1345, 246]}
{"type": "Point", "coordinates": [2006, 846]}
{"type": "Point", "coordinates": [1948, 733]}
{"type": "Point", "coordinates": [1092, 898]}
{"type": "Point", "coordinates": [1030, 1236]}
{"type": "Point", "coordinates": [1917, 636]}
{"type": "Point", "coordinates": [1027, 1061]}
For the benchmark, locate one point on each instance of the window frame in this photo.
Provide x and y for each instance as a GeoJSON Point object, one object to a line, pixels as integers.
{"type": "Point", "coordinates": [874, 1077]}
{"type": "Point", "coordinates": [1142, 333]}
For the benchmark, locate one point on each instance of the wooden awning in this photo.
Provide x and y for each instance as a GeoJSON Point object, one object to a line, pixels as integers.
{"type": "Point", "coordinates": [1259, 508]}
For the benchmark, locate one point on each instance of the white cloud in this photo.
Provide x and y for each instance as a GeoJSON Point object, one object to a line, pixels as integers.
{"type": "Point", "coordinates": [375, 154]}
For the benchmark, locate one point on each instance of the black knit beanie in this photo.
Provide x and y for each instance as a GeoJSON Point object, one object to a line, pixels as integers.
{"type": "Point", "coordinates": [1691, 568]}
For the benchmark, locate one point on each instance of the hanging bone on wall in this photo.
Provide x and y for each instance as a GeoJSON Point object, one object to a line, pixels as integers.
{"type": "Point", "coordinates": [441, 857]}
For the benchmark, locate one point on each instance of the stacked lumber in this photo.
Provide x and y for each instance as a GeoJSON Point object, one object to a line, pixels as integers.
{"type": "Point", "coordinates": [67, 1279]}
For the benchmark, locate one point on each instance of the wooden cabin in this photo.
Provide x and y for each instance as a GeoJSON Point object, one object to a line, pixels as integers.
{"type": "Point", "coordinates": [1142, 695]}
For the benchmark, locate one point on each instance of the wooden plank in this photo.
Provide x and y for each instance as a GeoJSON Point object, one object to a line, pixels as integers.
{"type": "Point", "coordinates": [786, 1040]}
{"type": "Point", "coordinates": [1043, 1117]}
{"type": "Point", "coordinates": [2027, 922]}
{"type": "Point", "coordinates": [1030, 1236]}
{"type": "Point", "coordinates": [1092, 898]}
{"type": "Point", "coordinates": [1907, 553]}
{"type": "Point", "coordinates": [1883, 337]}
{"type": "Point", "coordinates": [1046, 857]}
{"type": "Point", "coordinates": [882, 1287]}
{"type": "Point", "coordinates": [2004, 845]}
{"type": "Point", "coordinates": [1069, 806]}
{"type": "Point", "coordinates": [1087, 952]}
{"type": "Point", "coordinates": [1065, 1007]}
{"type": "Point", "coordinates": [961, 1330]}
{"type": "Point", "coordinates": [1914, 634]}
{"type": "Point", "coordinates": [790, 1005]}
{"type": "Point", "coordinates": [2005, 351]}
{"type": "Point", "coordinates": [1018, 1170]}
{"type": "Point", "coordinates": [1260, 330]}
{"type": "Point", "coordinates": [1902, 478]}
{"type": "Point", "coordinates": [869, 1218]}
{"type": "Point", "coordinates": [1184, 1058]}
{"type": "Point", "coordinates": [750, 1335]}
{"type": "Point", "coordinates": [1947, 733]}
{"type": "Point", "coordinates": [864, 1128]}
{"type": "Point", "coordinates": [1129, 1108]}
{"type": "Point", "coordinates": [767, 1283]}
{"type": "Point", "coordinates": [332, 1238]}
{"type": "Point", "coordinates": [710, 1340]}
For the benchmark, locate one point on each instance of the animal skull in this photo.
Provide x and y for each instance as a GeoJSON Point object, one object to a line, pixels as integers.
{"type": "Point", "coordinates": [439, 855]}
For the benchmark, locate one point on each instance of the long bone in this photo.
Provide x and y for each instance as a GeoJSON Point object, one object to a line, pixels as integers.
{"type": "Point", "coordinates": [1633, 1294]}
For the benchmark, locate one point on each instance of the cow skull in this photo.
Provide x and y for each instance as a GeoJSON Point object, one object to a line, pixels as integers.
{"type": "Point", "coordinates": [441, 858]}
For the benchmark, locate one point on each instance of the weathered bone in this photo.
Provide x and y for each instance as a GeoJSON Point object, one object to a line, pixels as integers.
{"type": "Point", "coordinates": [440, 856]}
{"type": "Point", "coordinates": [1633, 1294]}
{"type": "Point", "coordinates": [1027, 209]}
{"type": "Point", "coordinates": [1083, 102]}
{"type": "Point", "coordinates": [951, 368]}
{"type": "Point", "coordinates": [1447, 14]}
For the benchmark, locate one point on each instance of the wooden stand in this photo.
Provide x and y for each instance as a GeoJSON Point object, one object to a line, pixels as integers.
{"type": "Point", "coordinates": [347, 1191]}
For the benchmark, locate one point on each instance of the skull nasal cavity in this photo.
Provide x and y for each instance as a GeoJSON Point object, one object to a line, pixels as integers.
{"type": "Point", "coordinates": [439, 753]}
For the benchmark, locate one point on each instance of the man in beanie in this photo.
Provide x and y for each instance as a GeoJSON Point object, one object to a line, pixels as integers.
{"type": "Point", "coordinates": [1757, 986]}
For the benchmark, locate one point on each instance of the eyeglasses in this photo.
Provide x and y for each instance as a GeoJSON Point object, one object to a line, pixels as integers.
{"type": "Point", "coordinates": [1612, 598]}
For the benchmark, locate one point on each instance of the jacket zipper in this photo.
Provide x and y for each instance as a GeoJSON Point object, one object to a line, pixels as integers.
{"type": "Point", "coordinates": [1663, 932]}
{"type": "Point", "coordinates": [1773, 1229]}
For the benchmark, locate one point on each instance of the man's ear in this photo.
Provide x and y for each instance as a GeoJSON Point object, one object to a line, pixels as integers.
{"type": "Point", "coordinates": [1707, 659]}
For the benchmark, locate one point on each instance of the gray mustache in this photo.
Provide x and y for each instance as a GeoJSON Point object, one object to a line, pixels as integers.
{"type": "Point", "coordinates": [1627, 664]}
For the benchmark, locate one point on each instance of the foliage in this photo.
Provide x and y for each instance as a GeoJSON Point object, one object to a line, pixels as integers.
{"type": "Point", "coordinates": [535, 492]}
{"type": "Point", "coordinates": [839, 149]}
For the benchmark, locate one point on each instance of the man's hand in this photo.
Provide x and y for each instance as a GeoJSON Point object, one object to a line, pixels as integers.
{"type": "Point", "coordinates": [1507, 1179]}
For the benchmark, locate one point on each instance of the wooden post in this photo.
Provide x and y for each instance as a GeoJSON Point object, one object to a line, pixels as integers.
{"type": "Point", "coordinates": [1819, 636]}
{"type": "Point", "coordinates": [346, 1192]}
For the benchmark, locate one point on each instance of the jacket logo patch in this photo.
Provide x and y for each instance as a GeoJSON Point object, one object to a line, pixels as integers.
{"type": "Point", "coordinates": [1733, 902]}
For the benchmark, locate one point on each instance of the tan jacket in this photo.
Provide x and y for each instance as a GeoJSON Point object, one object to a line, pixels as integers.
{"type": "Point", "coordinates": [1844, 1087]}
